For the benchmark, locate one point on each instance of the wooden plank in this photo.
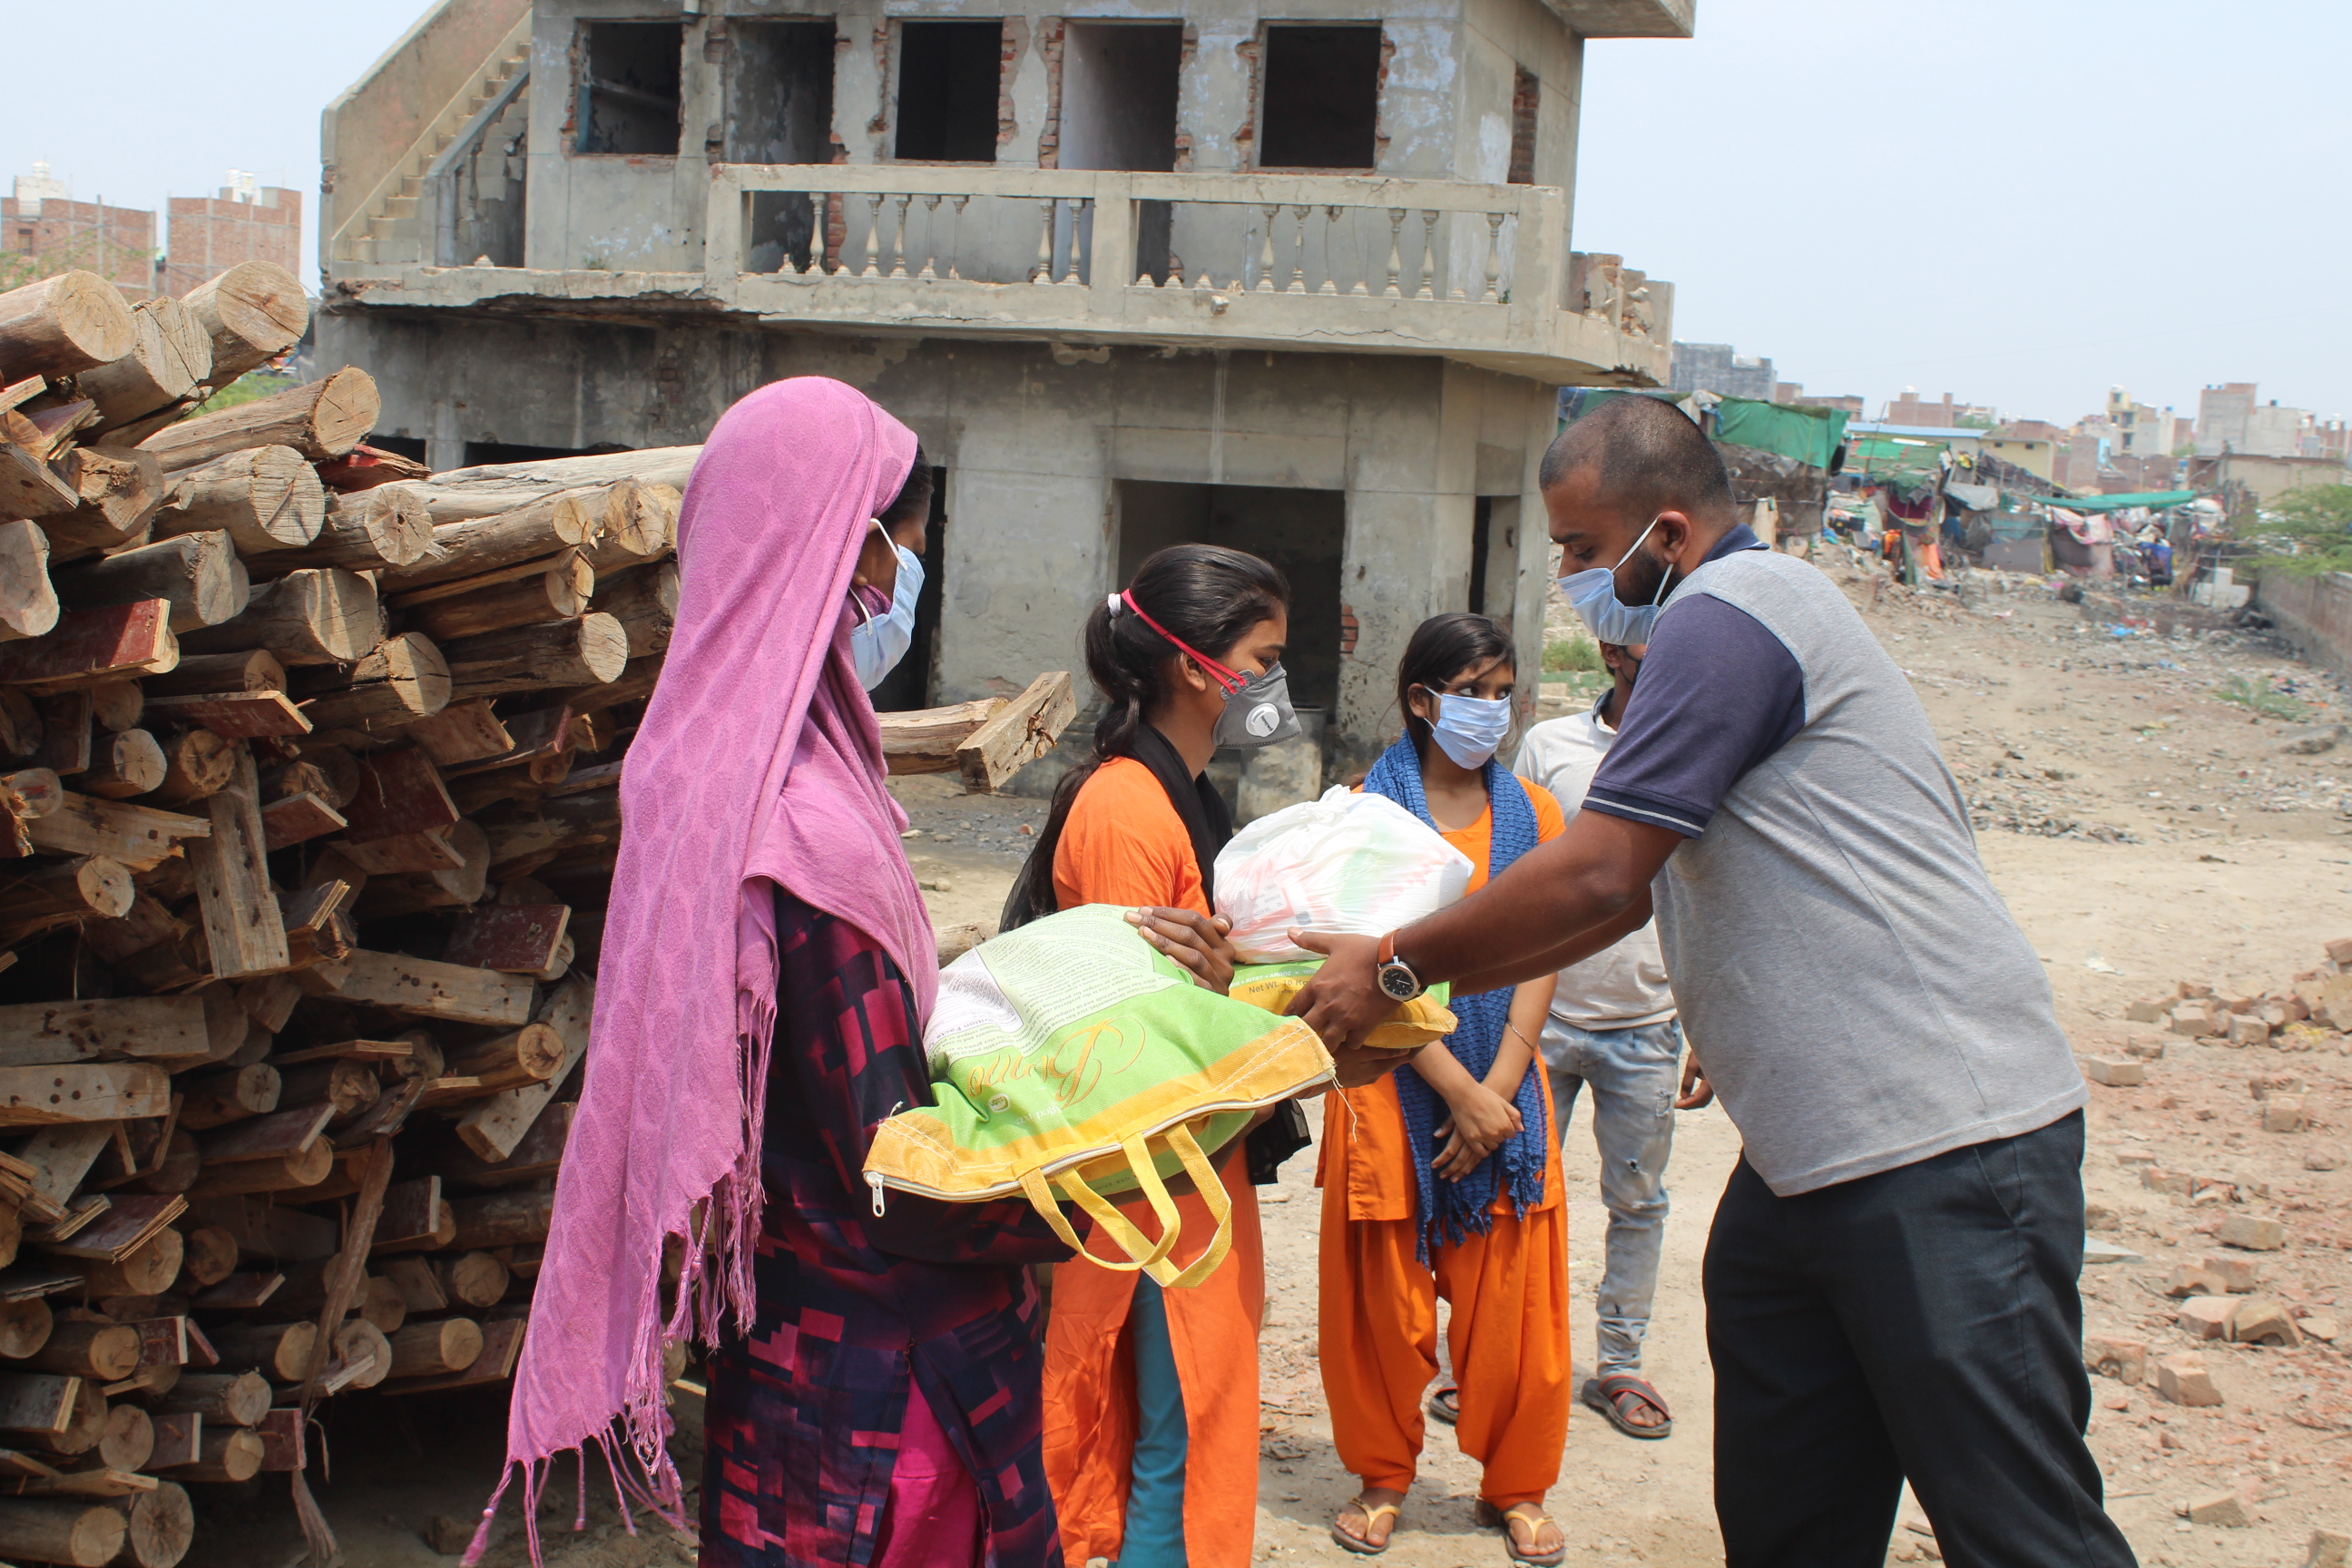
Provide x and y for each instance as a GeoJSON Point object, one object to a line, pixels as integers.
{"type": "Point", "coordinates": [97, 1482]}
{"type": "Point", "coordinates": [178, 1440]}
{"type": "Point", "coordinates": [102, 1091]}
{"type": "Point", "coordinates": [494, 1126]}
{"type": "Point", "coordinates": [346, 1050]}
{"type": "Point", "coordinates": [1017, 735]}
{"type": "Point", "coordinates": [924, 741]}
{"type": "Point", "coordinates": [431, 990]}
{"type": "Point", "coordinates": [238, 1292]}
{"type": "Point", "coordinates": [462, 732]}
{"type": "Point", "coordinates": [112, 640]}
{"type": "Point", "coordinates": [123, 1228]}
{"type": "Point", "coordinates": [138, 836]}
{"type": "Point", "coordinates": [37, 1403]}
{"type": "Point", "coordinates": [281, 1440]}
{"type": "Point", "coordinates": [15, 1466]}
{"type": "Point", "coordinates": [62, 1156]}
{"type": "Point", "coordinates": [271, 1137]}
{"type": "Point", "coordinates": [149, 1028]}
{"type": "Point", "coordinates": [33, 1279]}
{"type": "Point", "coordinates": [298, 818]}
{"type": "Point", "coordinates": [404, 853]}
{"type": "Point", "coordinates": [79, 1211]}
{"type": "Point", "coordinates": [519, 939]}
{"type": "Point", "coordinates": [400, 792]}
{"type": "Point", "coordinates": [235, 715]}
{"type": "Point", "coordinates": [163, 1342]}
{"type": "Point", "coordinates": [413, 1215]}
{"type": "Point", "coordinates": [242, 922]}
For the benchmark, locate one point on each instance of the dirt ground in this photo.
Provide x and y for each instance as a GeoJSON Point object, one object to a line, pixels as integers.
{"type": "Point", "coordinates": [2145, 830]}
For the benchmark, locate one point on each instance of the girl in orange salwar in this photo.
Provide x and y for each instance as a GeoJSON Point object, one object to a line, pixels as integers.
{"type": "Point", "coordinates": [1442, 1180]}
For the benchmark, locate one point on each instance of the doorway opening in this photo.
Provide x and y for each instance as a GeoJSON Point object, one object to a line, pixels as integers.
{"type": "Point", "coordinates": [628, 94]}
{"type": "Point", "coordinates": [914, 682]}
{"type": "Point", "coordinates": [1118, 112]}
{"type": "Point", "coordinates": [1495, 557]}
{"type": "Point", "coordinates": [1320, 104]}
{"type": "Point", "coordinates": [779, 110]}
{"type": "Point", "coordinates": [948, 87]}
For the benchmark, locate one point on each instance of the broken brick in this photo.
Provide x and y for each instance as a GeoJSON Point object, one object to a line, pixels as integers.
{"type": "Point", "coordinates": [2147, 1010]}
{"type": "Point", "coordinates": [2115, 1072]}
{"type": "Point", "coordinates": [2188, 1281]}
{"type": "Point", "coordinates": [2118, 1356]}
{"type": "Point", "coordinates": [2235, 1276]}
{"type": "Point", "coordinates": [2264, 1320]}
{"type": "Point", "coordinates": [2263, 1085]}
{"type": "Point", "coordinates": [2320, 1326]}
{"type": "Point", "coordinates": [2182, 1378]}
{"type": "Point", "coordinates": [2206, 1317]}
{"type": "Point", "coordinates": [2327, 1548]}
{"type": "Point", "coordinates": [2245, 1029]}
{"type": "Point", "coordinates": [2256, 1233]}
{"type": "Point", "coordinates": [2284, 1113]}
{"type": "Point", "coordinates": [2225, 1508]}
{"type": "Point", "coordinates": [2178, 1182]}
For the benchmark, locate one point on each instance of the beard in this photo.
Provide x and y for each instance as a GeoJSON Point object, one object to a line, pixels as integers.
{"type": "Point", "coordinates": [1649, 574]}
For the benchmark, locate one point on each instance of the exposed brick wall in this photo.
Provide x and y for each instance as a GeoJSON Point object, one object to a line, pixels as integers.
{"type": "Point", "coordinates": [879, 127]}
{"type": "Point", "coordinates": [1183, 73]}
{"type": "Point", "coordinates": [117, 243]}
{"type": "Point", "coordinates": [1049, 140]}
{"type": "Point", "coordinates": [1526, 100]}
{"type": "Point", "coordinates": [1253, 53]}
{"type": "Point", "coordinates": [1015, 44]}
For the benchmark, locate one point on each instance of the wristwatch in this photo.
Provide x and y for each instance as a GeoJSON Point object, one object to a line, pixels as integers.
{"type": "Point", "coordinates": [1397, 980]}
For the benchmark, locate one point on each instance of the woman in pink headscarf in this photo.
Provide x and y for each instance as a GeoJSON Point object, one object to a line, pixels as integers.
{"type": "Point", "coordinates": [767, 963]}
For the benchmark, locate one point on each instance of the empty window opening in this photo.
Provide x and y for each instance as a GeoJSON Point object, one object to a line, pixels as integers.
{"type": "Point", "coordinates": [1118, 112]}
{"type": "Point", "coordinates": [1527, 99]}
{"type": "Point", "coordinates": [628, 100]}
{"type": "Point", "coordinates": [1494, 556]}
{"type": "Point", "coordinates": [1320, 104]}
{"type": "Point", "coordinates": [779, 110]}
{"type": "Point", "coordinates": [914, 682]}
{"type": "Point", "coordinates": [948, 75]}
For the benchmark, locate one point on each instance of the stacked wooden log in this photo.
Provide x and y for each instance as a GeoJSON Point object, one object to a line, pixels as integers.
{"type": "Point", "coordinates": [308, 806]}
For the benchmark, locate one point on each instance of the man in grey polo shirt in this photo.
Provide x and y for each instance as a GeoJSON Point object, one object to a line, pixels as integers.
{"type": "Point", "coordinates": [1891, 1276]}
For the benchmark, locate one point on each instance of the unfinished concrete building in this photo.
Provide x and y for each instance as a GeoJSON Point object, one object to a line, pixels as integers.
{"type": "Point", "coordinates": [1295, 278]}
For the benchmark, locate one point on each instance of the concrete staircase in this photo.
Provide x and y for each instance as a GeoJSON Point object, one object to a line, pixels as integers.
{"type": "Point", "coordinates": [388, 229]}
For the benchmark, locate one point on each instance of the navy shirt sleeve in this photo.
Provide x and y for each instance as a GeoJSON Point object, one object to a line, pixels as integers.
{"type": "Point", "coordinates": [1718, 694]}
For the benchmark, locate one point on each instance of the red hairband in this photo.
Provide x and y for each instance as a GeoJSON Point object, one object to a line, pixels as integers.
{"type": "Point", "coordinates": [1229, 679]}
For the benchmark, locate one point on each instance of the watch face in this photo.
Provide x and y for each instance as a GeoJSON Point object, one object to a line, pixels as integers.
{"type": "Point", "coordinates": [1398, 981]}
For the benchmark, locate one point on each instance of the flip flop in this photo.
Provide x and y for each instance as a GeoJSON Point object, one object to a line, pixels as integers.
{"type": "Point", "coordinates": [1535, 1519]}
{"type": "Point", "coordinates": [1600, 1394]}
{"type": "Point", "coordinates": [1372, 1512]}
{"type": "Point", "coordinates": [1445, 1404]}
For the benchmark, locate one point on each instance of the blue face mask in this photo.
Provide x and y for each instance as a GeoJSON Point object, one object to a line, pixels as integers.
{"type": "Point", "coordinates": [1593, 595]}
{"type": "Point", "coordinates": [1470, 730]}
{"type": "Point", "coordinates": [879, 642]}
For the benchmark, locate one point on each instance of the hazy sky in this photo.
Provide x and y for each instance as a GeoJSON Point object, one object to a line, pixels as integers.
{"type": "Point", "coordinates": [163, 99]}
{"type": "Point", "coordinates": [2020, 202]}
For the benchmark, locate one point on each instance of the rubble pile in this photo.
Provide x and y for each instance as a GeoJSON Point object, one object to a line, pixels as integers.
{"type": "Point", "coordinates": [2311, 1013]}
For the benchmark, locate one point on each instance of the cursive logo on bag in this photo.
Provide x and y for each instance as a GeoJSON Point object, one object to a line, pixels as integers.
{"type": "Point", "coordinates": [1072, 1068]}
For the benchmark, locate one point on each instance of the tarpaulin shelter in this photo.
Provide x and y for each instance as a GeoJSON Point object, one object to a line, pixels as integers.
{"type": "Point", "coordinates": [2155, 501]}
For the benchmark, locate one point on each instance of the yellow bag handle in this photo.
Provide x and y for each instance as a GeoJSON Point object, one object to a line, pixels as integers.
{"type": "Point", "coordinates": [1141, 1252]}
{"type": "Point", "coordinates": [1220, 1204]}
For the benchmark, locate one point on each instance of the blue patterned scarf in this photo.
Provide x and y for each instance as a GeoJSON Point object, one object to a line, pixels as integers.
{"type": "Point", "coordinates": [1450, 1210]}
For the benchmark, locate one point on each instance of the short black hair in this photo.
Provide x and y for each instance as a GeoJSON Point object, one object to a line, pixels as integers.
{"type": "Point", "coordinates": [1652, 457]}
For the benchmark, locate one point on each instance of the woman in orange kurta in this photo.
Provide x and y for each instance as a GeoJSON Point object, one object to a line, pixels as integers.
{"type": "Point", "coordinates": [1151, 1396]}
{"type": "Point", "coordinates": [1405, 1218]}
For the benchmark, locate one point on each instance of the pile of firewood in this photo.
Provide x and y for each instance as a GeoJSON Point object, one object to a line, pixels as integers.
{"type": "Point", "coordinates": [308, 816]}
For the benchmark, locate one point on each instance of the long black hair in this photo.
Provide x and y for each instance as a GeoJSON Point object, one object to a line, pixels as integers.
{"type": "Point", "coordinates": [1443, 647]}
{"type": "Point", "coordinates": [1206, 595]}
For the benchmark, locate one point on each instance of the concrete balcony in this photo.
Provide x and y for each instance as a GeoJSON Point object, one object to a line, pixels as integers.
{"type": "Point", "coordinates": [1477, 273]}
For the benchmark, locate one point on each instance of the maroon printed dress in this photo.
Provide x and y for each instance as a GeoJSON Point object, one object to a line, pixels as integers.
{"type": "Point", "coordinates": [805, 1406]}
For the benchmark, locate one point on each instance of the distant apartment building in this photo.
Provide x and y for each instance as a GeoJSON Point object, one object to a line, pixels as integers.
{"type": "Point", "coordinates": [2032, 445]}
{"type": "Point", "coordinates": [1793, 394]}
{"type": "Point", "coordinates": [246, 222]}
{"type": "Point", "coordinates": [1944, 414]}
{"type": "Point", "coordinates": [41, 221]}
{"type": "Point", "coordinates": [1723, 370]}
{"type": "Point", "coordinates": [2141, 431]}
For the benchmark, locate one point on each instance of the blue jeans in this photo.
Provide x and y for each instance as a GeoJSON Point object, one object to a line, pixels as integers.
{"type": "Point", "coordinates": [1635, 1074]}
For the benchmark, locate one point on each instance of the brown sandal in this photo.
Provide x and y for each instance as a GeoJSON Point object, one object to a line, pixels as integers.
{"type": "Point", "coordinates": [1531, 1515]}
{"type": "Point", "coordinates": [1362, 1546]}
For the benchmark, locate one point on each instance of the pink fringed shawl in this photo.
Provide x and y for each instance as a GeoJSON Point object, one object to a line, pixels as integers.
{"type": "Point", "coordinates": [759, 759]}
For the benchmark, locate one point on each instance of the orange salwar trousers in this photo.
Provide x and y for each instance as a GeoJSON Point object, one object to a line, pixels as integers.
{"type": "Point", "coordinates": [1090, 1420]}
{"type": "Point", "coordinates": [1378, 1314]}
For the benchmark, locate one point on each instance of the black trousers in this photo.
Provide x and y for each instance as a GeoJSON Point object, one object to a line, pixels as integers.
{"type": "Point", "coordinates": [1923, 1322]}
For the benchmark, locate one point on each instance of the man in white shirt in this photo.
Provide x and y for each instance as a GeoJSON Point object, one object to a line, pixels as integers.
{"type": "Point", "coordinates": [1613, 1029]}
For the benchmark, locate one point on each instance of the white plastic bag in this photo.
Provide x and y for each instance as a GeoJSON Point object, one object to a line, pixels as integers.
{"type": "Point", "coordinates": [1348, 862]}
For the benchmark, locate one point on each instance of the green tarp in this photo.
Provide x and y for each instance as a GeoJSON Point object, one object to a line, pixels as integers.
{"type": "Point", "coordinates": [1810, 435]}
{"type": "Point", "coordinates": [2156, 500]}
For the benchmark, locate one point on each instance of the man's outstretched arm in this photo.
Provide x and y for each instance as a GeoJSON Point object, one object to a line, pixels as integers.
{"type": "Point", "coordinates": [1562, 901]}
